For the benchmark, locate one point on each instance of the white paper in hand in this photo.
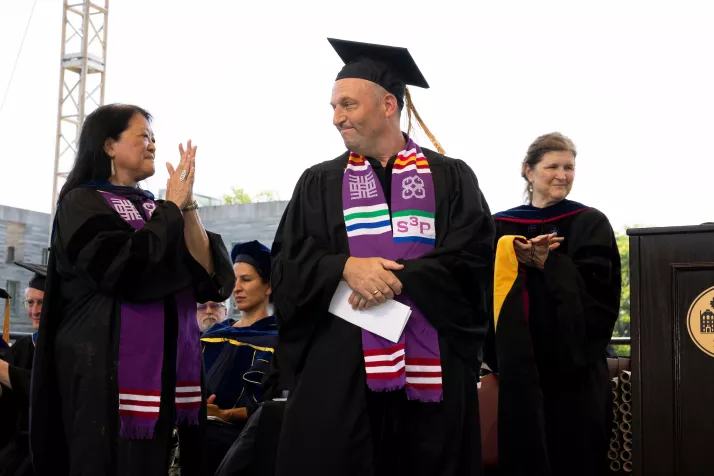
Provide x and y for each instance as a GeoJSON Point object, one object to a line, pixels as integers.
{"type": "Point", "coordinates": [386, 320]}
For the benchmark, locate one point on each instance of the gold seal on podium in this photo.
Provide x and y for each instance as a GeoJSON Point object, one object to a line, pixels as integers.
{"type": "Point", "coordinates": [700, 321]}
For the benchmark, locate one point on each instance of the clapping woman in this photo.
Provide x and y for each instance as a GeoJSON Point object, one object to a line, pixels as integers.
{"type": "Point", "coordinates": [118, 361]}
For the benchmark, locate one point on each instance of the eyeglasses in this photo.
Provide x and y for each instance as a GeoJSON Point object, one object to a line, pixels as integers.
{"type": "Point", "coordinates": [31, 302]}
{"type": "Point", "coordinates": [214, 306]}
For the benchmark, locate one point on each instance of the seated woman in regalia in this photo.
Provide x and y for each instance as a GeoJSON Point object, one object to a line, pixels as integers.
{"type": "Point", "coordinates": [238, 353]}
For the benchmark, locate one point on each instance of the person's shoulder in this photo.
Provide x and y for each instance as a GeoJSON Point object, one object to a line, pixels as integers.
{"type": "Point", "coordinates": [24, 341]}
{"type": "Point", "coordinates": [593, 215]}
{"type": "Point", "coordinates": [80, 195]}
{"type": "Point", "coordinates": [83, 199]}
{"type": "Point", "coordinates": [81, 205]}
{"type": "Point", "coordinates": [514, 212]}
{"type": "Point", "coordinates": [337, 164]}
{"type": "Point", "coordinates": [217, 328]}
{"type": "Point", "coordinates": [577, 210]}
{"type": "Point", "coordinates": [435, 158]}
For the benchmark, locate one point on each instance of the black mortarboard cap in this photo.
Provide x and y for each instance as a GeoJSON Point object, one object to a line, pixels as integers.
{"type": "Point", "coordinates": [40, 270]}
{"type": "Point", "coordinates": [4, 294]}
{"type": "Point", "coordinates": [391, 67]}
{"type": "Point", "coordinates": [255, 254]}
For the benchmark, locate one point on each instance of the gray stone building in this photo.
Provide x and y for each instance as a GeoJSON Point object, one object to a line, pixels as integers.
{"type": "Point", "coordinates": [24, 236]}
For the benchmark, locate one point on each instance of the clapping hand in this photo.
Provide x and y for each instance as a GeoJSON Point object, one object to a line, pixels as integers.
{"type": "Point", "coordinates": [179, 186]}
{"type": "Point", "coordinates": [534, 252]}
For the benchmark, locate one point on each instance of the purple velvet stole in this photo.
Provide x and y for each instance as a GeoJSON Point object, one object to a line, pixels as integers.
{"type": "Point", "coordinates": [141, 349]}
{"type": "Point", "coordinates": [414, 362]}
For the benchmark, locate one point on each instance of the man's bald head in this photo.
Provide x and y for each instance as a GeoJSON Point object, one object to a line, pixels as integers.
{"type": "Point", "coordinates": [363, 113]}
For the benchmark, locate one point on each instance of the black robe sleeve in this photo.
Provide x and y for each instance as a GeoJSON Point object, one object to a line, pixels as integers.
{"type": "Point", "coordinates": [490, 359]}
{"type": "Point", "coordinates": [10, 406]}
{"type": "Point", "coordinates": [109, 255]}
{"type": "Point", "coordinates": [449, 283]}
{"type": "Point", "coordinates": [219, 286]}
{"type": "Point", "coordinates": [8, 414]}
{"type": "Point", "coordinates": [15, 400]}
{"type": "Point", "coordinates": [307, 266]}
{"type": "Point", "coordinates": [584, 286]}
{"type": "Point", "coordinates": [20, 382]}
{"type": "Point", "coordinates": [19, 359]}
{"type": "Point", "coordinates": [113, 258]}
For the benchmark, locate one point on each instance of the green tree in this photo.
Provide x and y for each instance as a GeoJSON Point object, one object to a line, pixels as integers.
{"type": "Point", "coordinates": [267, 196]}
{"type": "Point", "coordinates": [237, 196]}
{"type": "Point", "coordinates": [622, 326]}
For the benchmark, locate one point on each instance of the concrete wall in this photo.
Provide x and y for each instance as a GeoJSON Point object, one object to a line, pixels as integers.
{"type": "Point", "coordinates": [252, 221]}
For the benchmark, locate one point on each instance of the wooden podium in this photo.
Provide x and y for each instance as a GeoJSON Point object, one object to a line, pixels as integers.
{"type": "Point", "coordinates": [672, 330]}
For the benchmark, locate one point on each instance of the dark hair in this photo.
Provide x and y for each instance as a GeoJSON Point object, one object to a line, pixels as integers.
{"type": "Point", "coordinates": [262, 274]}
{"type": "Point", "coordinates": [553, 142]}
{"type": "Point", "coordinates": [92, 162]}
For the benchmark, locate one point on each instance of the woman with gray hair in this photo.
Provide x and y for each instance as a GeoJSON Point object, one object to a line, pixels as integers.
{"type": "Point", "coordinates": [556, 299]}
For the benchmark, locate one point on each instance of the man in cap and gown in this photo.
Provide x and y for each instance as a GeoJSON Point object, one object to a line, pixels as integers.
{"type": "Point", "coordinates": [395, 221]}
{"type": "Point", "coordinates": [15, 373]}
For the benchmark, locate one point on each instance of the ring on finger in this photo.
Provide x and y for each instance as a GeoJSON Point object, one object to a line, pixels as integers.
{"type": "Point", "coordinates": [375, 292]}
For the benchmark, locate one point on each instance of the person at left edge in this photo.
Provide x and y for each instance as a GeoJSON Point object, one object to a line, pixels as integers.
{"type": "Point", "coordinates": [15, 372]}
{"type": "Point", "coordinates": [7, 412]}
{"type": "Point", "coordinates": [118, 361]}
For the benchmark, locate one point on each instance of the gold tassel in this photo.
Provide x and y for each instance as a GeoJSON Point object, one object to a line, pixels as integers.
{"type": "Point", "coordinates": [412, 110]}
{"type": "Point", "coordinates": [6, 324]}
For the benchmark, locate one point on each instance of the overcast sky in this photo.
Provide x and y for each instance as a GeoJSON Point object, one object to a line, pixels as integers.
{"type": "Point", "coordinates": [632, 83]}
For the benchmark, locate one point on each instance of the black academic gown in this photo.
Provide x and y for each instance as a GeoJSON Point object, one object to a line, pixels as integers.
{"type": "Point", "coordinates": [15, 410]}
{"type": "Point", "coordinates": [573, 305]}
{"type": "Point", "coordinates": [333, 424]}
{"type": "Point", "coordinates": [96, 260]}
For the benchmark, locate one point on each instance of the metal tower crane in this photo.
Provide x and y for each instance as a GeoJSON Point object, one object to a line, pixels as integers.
{"type": "Point", "coordinates": [81, 84]}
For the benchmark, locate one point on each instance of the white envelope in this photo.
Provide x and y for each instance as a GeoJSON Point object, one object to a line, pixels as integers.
{"type": "Point", "coordinates": [386, 320]}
